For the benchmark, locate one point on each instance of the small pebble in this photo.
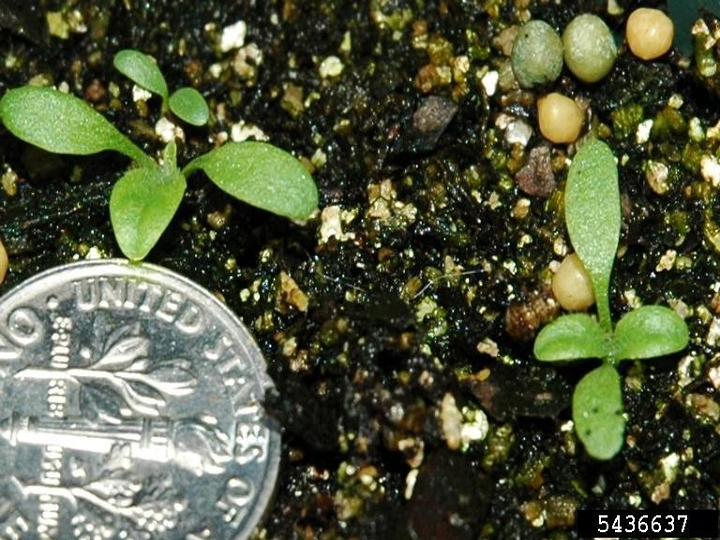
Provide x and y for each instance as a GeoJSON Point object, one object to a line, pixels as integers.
{"type": "Point", "coordinates": [524, 318]}
{"type": "Point", "coordinates": [451, 419]}
{"type": "Point", "coordinates": [233, 36]}
{"type": "Point", "coordinates": [571, 285]}
{"type": "Point", "coordinates": [331, 66]}
{"type": "Point", "coordinates": [536, 176]}
{"type": "Point", "coordinates": [291, 294]}
{"type": "Point", "coordinates": [657, 175]}
{"type": "Point", "coordinates": [589, 48]}
{"type": "Point", "coordinates": [560, 118]}
{"type": "Point", "coordinates": [649, 33]}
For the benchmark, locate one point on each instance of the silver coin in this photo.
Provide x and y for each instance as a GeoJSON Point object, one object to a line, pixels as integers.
{"type": "Point", "coordinates": [131, 408]}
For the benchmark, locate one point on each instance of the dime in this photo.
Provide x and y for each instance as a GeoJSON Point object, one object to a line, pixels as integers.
{"type": "Point", "coordinates": [131, 408]}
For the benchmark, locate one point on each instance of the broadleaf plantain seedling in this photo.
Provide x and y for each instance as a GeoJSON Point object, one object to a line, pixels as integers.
{"type": "Point", "coordinates": [592, 216]}
{"type": "Point", "coordinates": [145, 198]}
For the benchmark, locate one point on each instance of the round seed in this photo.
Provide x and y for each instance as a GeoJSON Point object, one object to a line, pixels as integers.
{"type": "Point", "coordinates": [537, 54]}
{"type": "Point", "coordinates": [590, 50]}
{"type": "Point", "coordinates": [649, 33]}
{"type": "Point", "coordinates": [571, 285]}
{"type": "Point", "coordinates": [560, 119]}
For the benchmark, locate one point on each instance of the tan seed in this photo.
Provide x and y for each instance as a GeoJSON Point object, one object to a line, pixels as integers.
{"type": "Point", "coordinates": [4, 262]}
{"type": "Point", "coordinates": [560, 118]}
{"type": "Point", "coordinates": [649, 33]}
{"type": "Point", "coordinates": [571, 285]}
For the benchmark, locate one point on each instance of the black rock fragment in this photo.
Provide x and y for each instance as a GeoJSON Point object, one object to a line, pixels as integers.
{"type": "Point", "coordinates": [449, 502]}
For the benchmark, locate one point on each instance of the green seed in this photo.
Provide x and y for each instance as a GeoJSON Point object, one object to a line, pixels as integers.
{"type": "Point", "coordinates": [537, 54]}
{"type": "Point", "coordinates": [590, 50]}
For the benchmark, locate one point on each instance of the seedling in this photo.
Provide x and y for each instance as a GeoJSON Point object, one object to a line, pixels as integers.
{"type": "Point", "coordinates": [185, 103]}
{"type": "Point", "coordinates": [145, 198]}
{"type": "Point", "coordinates": [592, 215]}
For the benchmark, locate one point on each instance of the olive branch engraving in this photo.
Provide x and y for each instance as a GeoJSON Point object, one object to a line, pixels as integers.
{"type": "Point", "coordinates": [123, 370]}
{"type": "Point", "coordinates": [126, 368]}
{"type": "Point", "coordinates": [151, 504]}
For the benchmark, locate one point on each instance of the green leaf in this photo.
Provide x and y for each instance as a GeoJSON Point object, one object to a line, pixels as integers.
{"type": "Point", "coordinates": [142, 204]}
{"type": "Point", "coordinates": [571, 337]}
{"type": "Point", "coordinates": [169, 159]}
{"type": "Point", "coordinates": [62, 123]}
{"type": "Point", "coordinates": [597, 411]}
{"type": "Point", "coordinates": [261, 175]}
{"type": "Point", "coordinates": [189, 105]}
{"type": "Point", "coordinates": [649, 331]}
{"type": "Point", "coordinates": [142, 70]}
{"type": "Point", "coordinates": [592, 214]}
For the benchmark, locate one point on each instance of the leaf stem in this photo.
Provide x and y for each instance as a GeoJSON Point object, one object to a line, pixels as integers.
{"type": "Point", "coordinates": [602, 301]}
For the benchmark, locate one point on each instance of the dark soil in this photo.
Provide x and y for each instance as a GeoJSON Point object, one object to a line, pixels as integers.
{"type": "Point", "coordinates": [408, 301]}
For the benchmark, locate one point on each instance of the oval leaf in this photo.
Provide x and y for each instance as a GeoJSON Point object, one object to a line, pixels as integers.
{"type": "Point", "coordinates": [141, 398]}
{"type": "Point", "coordinates": [571, 337]}
{"type": "Point", "coordinates": [142, 70]}
{"type": "Point", "coordinates": [189, 105]}
{"type": "Point", "coordinates": [142, 204]}
{"type": "Point", "coordinates": [262, 175]}
{"type": "Point", "coordinates": [171, 379]}
{"type": "Point", "coordinates": [120, 333]}
{"type": "Point", "coordinates": [61, 123]}
{"type": "Point", "coordinates": [597, 411]}
{"type": "Point", "coordinates": [649, 331]}
{"type": "Point", "coordinates": [592, 214]}
{"type": "Point", "coordinates": [123, 354]}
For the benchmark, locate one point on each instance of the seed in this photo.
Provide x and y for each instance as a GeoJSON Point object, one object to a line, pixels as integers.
{"type": "Point", "coordinates": [571, 285]}
{"type": "Point", "coordinates": [560, 118]}
{"type": "Point", "coordinates": [4, 262]}
{"type": "Point", "coordinates": [649, 33]}
{"type": "Point", "coordinates": [590, 50]}
{"type": "Point", "coordinates": [537, 54]}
